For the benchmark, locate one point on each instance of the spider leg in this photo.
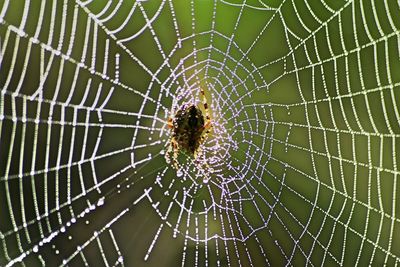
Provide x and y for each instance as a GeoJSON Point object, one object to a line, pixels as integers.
{"type": "Point", "coordinates": [172, 149]}
{"type": "Point", "coordinates": [197, 155]}
{"type": "Point", "coordinates": [170, 123]}
{"type": "Point", "coordinates": [207, 126]}
{"type": "Point", "coordinates": [169, 151]}
{"type": "Point", "coordinates": [175, 155]}
{"type": "Point", "coordinates": [205, 104]}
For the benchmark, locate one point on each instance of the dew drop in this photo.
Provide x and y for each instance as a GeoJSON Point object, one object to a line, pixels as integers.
{"type": "Point", "coordinates": [100, 202]}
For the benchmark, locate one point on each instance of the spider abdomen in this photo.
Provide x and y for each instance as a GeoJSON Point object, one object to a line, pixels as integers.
{"type": "Point", "coordinates": [188, 128]}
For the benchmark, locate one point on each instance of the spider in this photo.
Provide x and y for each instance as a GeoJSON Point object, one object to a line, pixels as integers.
{"type": "Point", "coordinates": [189, 128]}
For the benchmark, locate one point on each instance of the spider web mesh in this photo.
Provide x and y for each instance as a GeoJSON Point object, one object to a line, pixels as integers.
{"type": "Point", "coordinates": [304, 101]}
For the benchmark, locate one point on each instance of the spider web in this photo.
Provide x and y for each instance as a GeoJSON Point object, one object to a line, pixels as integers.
{"type": "Point", "coordinates": [303, 165]}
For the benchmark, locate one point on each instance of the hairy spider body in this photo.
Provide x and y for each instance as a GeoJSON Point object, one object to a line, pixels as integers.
{"type": "Point", "coordinates": [188, 128]}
